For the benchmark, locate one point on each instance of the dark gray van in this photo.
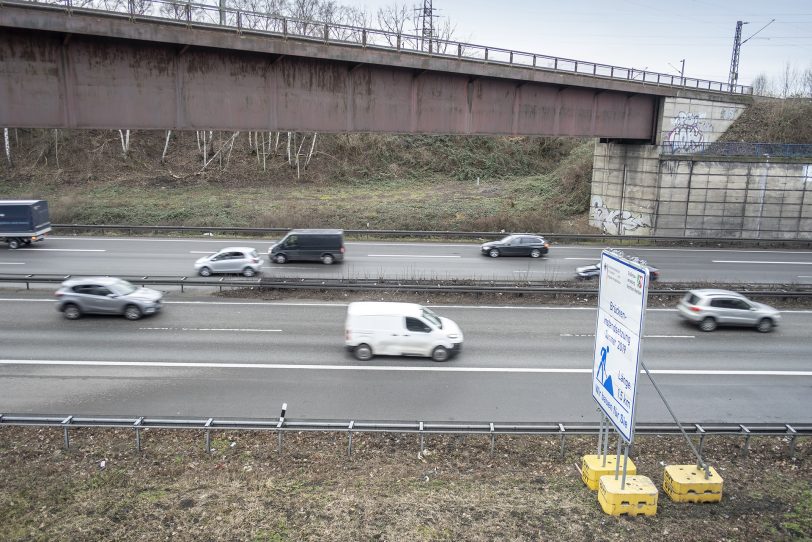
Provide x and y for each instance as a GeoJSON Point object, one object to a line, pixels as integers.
{"type": "Point", "coordinates": [326, 246]}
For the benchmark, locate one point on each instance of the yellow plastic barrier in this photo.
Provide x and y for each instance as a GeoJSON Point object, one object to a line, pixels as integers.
{"type": "Point", "coordinates": [592, 468]}
{"type": "Point", "coordinates": [687, 483]}
{"type": "Point", "coordinates": [637, 498]}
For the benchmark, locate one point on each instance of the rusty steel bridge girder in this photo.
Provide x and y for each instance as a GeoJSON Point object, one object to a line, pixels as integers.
{"type": "Point", "coordinates": [90, 71]}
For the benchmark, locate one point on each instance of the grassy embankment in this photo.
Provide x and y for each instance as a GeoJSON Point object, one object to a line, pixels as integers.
{"type": "Point", "coordinates": [353, 182]}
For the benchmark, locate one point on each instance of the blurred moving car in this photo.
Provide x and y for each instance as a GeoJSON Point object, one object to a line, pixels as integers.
{"type": "Point", "coordinates": [517, 244]}
{"type": "Point", "coordinates": [106, 295]}
{"type": "Point", "coordinates": [593, 271]}
{"type": "Point", "coordinates": [375, 328]}
{"type": "Point", "coordinates": [244, 260]}
{"type": "Point", "coordinates": [326, 246]}
{"type": "Point", "coordinates": [711, 308]}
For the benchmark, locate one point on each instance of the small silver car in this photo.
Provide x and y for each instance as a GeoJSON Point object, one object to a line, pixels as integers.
{"type": "Point", "coordinates": [244, 260]}
{"type": "Point", "coordinates": [712, 308]}
{"type": "Point", "coordinates": [106, 295]}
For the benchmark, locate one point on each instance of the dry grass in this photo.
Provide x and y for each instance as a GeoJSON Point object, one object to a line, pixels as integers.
{"type": "Point", "coordinates": [453, 490]}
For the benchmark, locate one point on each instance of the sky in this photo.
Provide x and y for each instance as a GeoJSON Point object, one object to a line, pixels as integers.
{"type": "Point", "coordinates": [656, 34]}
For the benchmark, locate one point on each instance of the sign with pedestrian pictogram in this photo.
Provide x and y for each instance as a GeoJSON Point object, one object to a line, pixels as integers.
{"type": "Point", "coordinates": [618, 338]}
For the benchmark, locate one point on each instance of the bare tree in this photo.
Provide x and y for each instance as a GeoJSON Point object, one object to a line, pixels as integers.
{"type": "Point", "coordinates": [788, 81]}
{"type": "Point", "coordinates": [806, 83]}
{"type": "Point", "coordinates": [7, 146]}
{"type": "Point", "coordinates": [761, 86]}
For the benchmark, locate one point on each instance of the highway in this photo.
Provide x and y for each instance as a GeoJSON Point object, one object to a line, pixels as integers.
{"type": "Point", "coordinates": [373, 260]}
{"type": "Point", "coordinates": [205, 356]}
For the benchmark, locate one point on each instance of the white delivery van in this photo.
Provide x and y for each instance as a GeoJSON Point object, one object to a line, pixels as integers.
{"type": "Point", "coordinates": [399, 329]}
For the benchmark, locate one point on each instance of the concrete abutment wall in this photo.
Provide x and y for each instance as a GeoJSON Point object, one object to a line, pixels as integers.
{"type": "Point", "coordinates": [666, 189]}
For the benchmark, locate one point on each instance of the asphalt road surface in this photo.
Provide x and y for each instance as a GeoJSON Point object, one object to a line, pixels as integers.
{"type": "Point", "coordinates": [439, 261]}
{"type": "Point", "coordinates": [209, 357]}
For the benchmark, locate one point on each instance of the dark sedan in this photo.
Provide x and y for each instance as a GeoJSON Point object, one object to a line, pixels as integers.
{"type": "Point", "coordinates": [520, 244]}
{"type": "Point", "coordinates": [589, 272]}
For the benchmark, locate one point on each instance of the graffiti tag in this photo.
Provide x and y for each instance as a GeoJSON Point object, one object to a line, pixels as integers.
{"type": "Point", "coordinates": [688, 134]}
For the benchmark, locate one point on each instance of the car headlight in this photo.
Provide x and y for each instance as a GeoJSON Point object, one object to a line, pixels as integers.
{"type": "Point", "coordinates": [453, 336]}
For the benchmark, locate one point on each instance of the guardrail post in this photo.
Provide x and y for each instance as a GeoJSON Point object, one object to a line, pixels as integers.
{"type": "Point", "coordinates": [349, 443]}
{"type": "Point", "coordinates": [493, 439]}
{"type": "Point", "coordinates": [208, 435]}
{"type": "Point", "coordinates": [746, 447]}
{"type": "Point", "coordinates": [27, 283]}
{"type": "Point", "coordinates": [486, 54]}
{"type": "Point", "coordinates": [420, 429]}
{"type": "Point", "coordinates": [65, 424]}
{"type": "Point", "coordinates": [285, 28]}
{"type": "Point", "coordinates": [534, 61]}
{"type": "Point", "coordinates": [511, 57]}
{"type": "Point", "coordinates": [398, 42]}
{"type": "Point", "coordinates": [280, 425]}
{"type": "Point", "coordinates": [137, 426]}
{"type": "Point", "coordinates": [563, 435]}
{"type": "Point", "coordinates": [701, 438]}
{"type": "Point", "coordinates": [791, 430]}
{"type": "Point", "coordinates": [239, 21]}
{"type": "Point", "coordinates": [364, 37]}
{"type": "Point", "coordinates": [459, 50]}
{"type": "Point", "coordinates": [326, 33]}
{"type": "Point", "coordinates": [188, 9]}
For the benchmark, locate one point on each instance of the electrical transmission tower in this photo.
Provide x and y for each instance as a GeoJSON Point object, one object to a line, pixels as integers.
{"type": "Point", "coordinates": [734, 61]}
{"type": "Point", "coordinates": [426, 16]}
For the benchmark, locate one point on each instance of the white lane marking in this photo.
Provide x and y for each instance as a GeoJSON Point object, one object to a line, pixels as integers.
{"type": "Point", "coordinates": [805, 276]}
{"type": "Point", "coordinates": [644, 336]}
{"type": "Point", "coordinates": [426, 368]}
{"type": "Point", "coordinates": [207, 329]}
{"type": "Point", "coordinates": [756, 261]}
{"type": "Point", "coordinates": [12, 263]}
{"type": "Point", "coordinates": [65, 249]}
{"type": "Point", "coordinates": [408, 256]}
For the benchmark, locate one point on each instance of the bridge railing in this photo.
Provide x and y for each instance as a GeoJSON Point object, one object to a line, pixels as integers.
{"type": "Point", "coordinates": [194, 14]}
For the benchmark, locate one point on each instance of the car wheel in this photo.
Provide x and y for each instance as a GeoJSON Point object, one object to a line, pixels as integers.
{"type": "Point", "coordinates": [439, 354]}
{"type": "Point", "coordinates": [281, 258]}
{"type": "Point", "coordinates": [535, 253]}
{"type": "Point", "coordinates": [327, 259]}
{"type": "Point", "coordinates": [131, 312]}
{"type": "Point", "coordinates": [707, 324]}
{"type": "Point", "coordinates": [363, 352]}
{"type": "Point", "coordinates": [765, 325]}
{"type": "Point", "coordinates": [493, 253]}
{"type": "Point", "coordinates": [13, 243]}
{"type": "Point", "coordinates": [248, 272]}
{"type": "Point", "coordinates": [204, 272]}
{"type": "Point", "coordinates": [71, 311]}
{"type": "Point", "coordinates": [27, 242]}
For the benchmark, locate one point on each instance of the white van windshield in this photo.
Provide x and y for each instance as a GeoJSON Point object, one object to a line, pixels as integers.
{"type": "Point", "coordinates": [433, 318]}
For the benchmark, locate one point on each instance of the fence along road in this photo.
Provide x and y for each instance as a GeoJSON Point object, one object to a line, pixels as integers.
{"type": "Point", "coordinates": [243, 359]}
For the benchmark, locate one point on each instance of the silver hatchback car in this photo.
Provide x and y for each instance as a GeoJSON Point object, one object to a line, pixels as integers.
{"type": "Point", "coordinates": [106, 295]}
{"type": "Point", "coordinates": [712, 308]}
{"type": "Point", "coordinates": [244, 260]}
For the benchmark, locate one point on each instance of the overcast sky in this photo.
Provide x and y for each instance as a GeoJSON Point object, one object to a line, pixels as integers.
{"type": "Point", "coordinates": [640, 34]}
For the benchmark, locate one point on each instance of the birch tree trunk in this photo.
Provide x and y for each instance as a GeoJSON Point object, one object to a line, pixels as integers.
{"type": "Point", "coordinates": [125, 142]}
{"type": "Point", "coordinates": [8, 146]}
{"type": "Point", "coordinates": [166, 145]}
{"type": "Point", "coordinates": [312, 146]}
{"type": "Point", "coordinates": [289, 148]}
{"type": "Point", "coordinates": [56, 146]}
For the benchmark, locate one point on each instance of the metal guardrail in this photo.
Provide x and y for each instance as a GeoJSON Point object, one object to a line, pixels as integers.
{"type": "Point", "coordinates": [732, 148]}
{"type": "Point", "coordinates": [436, 286]}
{"type": "Point", "coordinates": [422, 428]}
{"type": "Point", "coordinates": [250, 22]}
{"type": "Point", "coordinates": [446, 234]}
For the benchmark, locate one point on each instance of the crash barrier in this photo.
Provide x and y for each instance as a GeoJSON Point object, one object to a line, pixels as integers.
{"type": "Point", "coordinates": [423, 429]}
{"type": "Point", "coordinates": [436, 286]}
{"type": "Point", "coordinates": [667, 240]}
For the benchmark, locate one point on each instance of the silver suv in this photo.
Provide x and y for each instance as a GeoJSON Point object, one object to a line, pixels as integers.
{"type": "Point", "coordinates": [242, 260]}
{"type": "Point", "coordinates": [106, 295]}
{"type": "Point", "coordinates": [712, 308]}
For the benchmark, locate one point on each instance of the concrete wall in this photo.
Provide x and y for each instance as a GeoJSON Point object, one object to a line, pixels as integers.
{"type": "Point", "coordinates": [687, 124]}
{"type": "Point", "coordinates": [636, 190]}
{"type": "Point", "coordinates": [762, 199]}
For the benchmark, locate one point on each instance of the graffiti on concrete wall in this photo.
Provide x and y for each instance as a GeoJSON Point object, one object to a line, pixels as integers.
{"type": "Point", "coordinates": [688, 133]}
{"type": "Point", "coordinates": [615, 221]}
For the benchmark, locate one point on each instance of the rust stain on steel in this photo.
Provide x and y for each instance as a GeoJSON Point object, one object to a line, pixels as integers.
{"type": "Point", "coordinates": [97, 82]}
